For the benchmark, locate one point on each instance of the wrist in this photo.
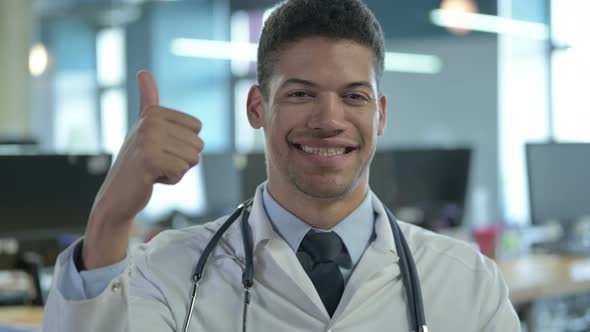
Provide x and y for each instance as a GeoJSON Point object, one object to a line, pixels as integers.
{"type": "Point", "coordinates": [105, 241]}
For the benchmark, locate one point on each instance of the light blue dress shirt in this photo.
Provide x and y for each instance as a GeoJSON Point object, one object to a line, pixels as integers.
{"type": "Point", "coordinates": [356, 231]}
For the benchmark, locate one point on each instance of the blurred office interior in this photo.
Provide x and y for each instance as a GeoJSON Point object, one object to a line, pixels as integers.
{"type": "Point", "coordinates": [487, 137]}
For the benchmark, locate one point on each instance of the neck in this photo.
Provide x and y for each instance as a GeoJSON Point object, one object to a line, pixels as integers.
{"type": "Point", "coordinates": [318, 212]}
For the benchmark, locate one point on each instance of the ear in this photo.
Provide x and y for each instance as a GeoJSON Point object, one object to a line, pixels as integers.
{"type": "Point", "coordinates": [382, 114]}
{"type": "Point", "coordinates": [255, 107]}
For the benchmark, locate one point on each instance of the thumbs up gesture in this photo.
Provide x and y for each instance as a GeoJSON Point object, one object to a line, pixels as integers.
{"type": "Point", "coordinates": [160, 148]}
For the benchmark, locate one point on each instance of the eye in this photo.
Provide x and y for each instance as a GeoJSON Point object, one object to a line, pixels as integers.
{"type": "Point", "coordinates": [298, 97]}
{"type": "Point", "coordinates": [356, 98]}
{"type": "Point", "coordinates": [298, 94]}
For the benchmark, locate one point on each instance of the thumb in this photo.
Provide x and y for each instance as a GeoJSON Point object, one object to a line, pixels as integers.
{"type": "Point", "coordinates": [148, 90]}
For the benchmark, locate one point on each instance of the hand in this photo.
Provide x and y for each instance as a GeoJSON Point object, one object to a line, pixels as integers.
{"type": "Point", "coordinates": [160, 148]}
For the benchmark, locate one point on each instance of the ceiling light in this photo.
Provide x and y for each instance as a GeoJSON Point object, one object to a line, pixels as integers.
{"type": "Point", "coordinates": [459, 6]}
{"type": "Point", "coordinates": [243, 51]}
{"type": "Point", "coordinates": [489, 23]}
{"type": "Point", "coordinates": [38, 59]}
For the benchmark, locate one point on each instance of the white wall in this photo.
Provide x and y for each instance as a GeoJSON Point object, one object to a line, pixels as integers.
{"type": "Point", "coordinates": [15, 38]}
{"type": "Point", "coordinates": [456, 107]}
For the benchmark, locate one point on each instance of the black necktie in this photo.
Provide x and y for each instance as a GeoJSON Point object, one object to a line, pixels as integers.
{"type": "Point", "coordinates": [320, 254]}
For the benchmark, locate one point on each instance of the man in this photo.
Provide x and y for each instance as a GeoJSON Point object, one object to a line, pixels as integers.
{"type": "Point", "coordinates": [319, 103]}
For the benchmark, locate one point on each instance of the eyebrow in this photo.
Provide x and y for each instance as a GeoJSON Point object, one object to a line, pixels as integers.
{"type": "Point", "coordinates": [292, 81]}
{"type": "Point", "coordinates": [360, 84]}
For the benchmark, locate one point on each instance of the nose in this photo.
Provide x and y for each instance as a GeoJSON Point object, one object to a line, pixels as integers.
{"type": "Point", "coordinates": [327, 113]}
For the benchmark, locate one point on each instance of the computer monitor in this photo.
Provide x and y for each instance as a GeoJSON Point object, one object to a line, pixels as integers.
{"type": "Point", "coordinates": [559, 181]}
{"type": "Point", "coordinates": [43, 196]}
{"type": "Point", "coordinates": [222, 183]}
{"type": "Point", "coordinates": [425, 186]}
{"type": "Point", "coordinates": [18, 145]}
{"type": "Point", "coordinates": [18, 141]}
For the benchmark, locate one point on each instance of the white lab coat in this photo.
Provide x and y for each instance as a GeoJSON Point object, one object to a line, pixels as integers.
{"type": "Point", "coordinates": [462, 290]}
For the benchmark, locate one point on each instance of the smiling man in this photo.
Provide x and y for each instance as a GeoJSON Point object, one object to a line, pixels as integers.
{"type": "Point", "coordinates": [321, 115]}
{"type": "Point", "coordinates": [315, 250]}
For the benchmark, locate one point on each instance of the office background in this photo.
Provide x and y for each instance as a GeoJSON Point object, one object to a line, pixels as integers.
{"type": "Point", "coordinates": [487, 77]}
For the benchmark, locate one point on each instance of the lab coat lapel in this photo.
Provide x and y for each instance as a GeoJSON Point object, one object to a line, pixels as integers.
{"type": "Point", "coordinates": [288, 269]}
{"type": "Point", "coordinates": [378, 266]}
{"type": "Point", "coordinates": [277, 260]}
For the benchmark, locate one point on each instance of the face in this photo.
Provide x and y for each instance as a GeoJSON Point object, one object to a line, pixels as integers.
{"type": "Point", "coordinates": [321, 119]}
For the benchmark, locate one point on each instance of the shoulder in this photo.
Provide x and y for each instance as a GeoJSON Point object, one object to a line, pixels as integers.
{"type": "Point", "coordinates": [173, 248]}
{"type": "Point", "coordinates": [185, 237]}
{"type": "Point", "coordinates": [435, 250]}
{"type": "Point", "coordinates": [454, 270]}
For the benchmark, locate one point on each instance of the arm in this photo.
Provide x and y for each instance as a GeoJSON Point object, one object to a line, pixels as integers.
{"type": "Point", "coordinates": [76, 285]}
{"type": "Point", "coordinates": [68, 308]}
{"type": "Point", "coordinates": [126, 302]}
{"type": "Point", "coordinates": [160, 148]}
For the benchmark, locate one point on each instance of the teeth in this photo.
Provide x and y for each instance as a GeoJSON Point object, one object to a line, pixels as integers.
{"type": "Point", "coordinates": [324, 152]}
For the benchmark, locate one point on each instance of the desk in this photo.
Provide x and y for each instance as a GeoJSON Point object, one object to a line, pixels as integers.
{"type": "Point", "coordinates": [535, 276]}
{"type": "Point", "coordinates": [21, 315]}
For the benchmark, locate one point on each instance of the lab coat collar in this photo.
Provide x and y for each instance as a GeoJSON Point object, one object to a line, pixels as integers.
{"type": "Point", "coordinates": [380, 251]}
{"type": "Point", "coordinates": [262, 230]}
{"type": "Point", "coordinates": [384, 234]}
{"type": "Point", "coordinates": [260, 226]}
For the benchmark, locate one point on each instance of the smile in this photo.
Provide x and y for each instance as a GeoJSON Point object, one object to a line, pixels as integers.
{"type": "Point", "coordinates": [324, 152]}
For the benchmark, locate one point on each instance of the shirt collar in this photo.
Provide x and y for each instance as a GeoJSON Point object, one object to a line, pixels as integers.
{"type": "Point", "coordinates": [355, 230]}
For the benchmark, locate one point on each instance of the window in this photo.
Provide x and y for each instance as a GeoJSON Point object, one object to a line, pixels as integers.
{"type": "Point", "coordinates": [571, 70]}
{"type": "Point", "coordinates": [110, 70]}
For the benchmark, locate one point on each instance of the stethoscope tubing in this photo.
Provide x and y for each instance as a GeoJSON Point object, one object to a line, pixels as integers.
{"type": "Point", "coordinates": [409, 274]}
{"type": "Point", "coordinates": [408, 270]}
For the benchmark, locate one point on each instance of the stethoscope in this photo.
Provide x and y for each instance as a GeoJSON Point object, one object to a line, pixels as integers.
{"type": "Point", "coordinates": [408, 271]}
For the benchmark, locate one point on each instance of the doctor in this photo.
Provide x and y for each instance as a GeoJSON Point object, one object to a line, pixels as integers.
{"type": "Point", "coordinates": [324, 258]}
